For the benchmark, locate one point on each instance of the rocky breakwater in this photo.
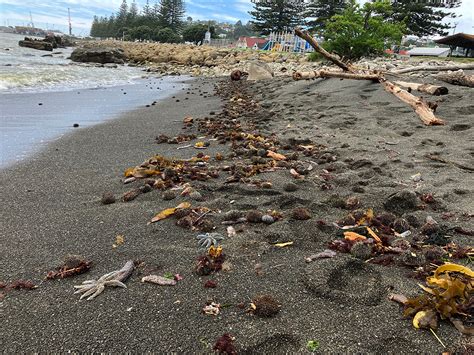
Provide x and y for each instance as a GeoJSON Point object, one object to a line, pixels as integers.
{"type": "Point", "coordinates": [46, 44]}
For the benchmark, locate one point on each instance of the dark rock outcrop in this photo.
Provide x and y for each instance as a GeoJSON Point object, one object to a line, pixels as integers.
{"type": "Point", "coordinates": [98, 55]}
{"type": "Point", "coordinates": [36, 44]}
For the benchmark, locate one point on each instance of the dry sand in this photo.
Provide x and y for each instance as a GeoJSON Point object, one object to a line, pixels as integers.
{"type": "Point", "coordinates": [51, 207]}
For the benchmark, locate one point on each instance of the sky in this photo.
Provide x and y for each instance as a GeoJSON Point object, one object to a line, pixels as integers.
{"type": "Point", "coordinates": [53, 13]}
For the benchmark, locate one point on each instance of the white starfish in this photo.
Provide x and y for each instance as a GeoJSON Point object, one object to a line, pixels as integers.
{"type": "Point", "coordinates": [93, 288]}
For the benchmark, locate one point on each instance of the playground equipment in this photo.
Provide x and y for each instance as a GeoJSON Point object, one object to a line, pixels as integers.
{"type": "Point", "coordinates": [286, 42]}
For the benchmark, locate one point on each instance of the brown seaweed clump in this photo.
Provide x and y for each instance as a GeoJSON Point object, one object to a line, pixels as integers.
{"type": "Point", "coordinates": [265, 306]}
{"type": "Point", "coordinates": [301, 214]}
{"type": "Point", "coordinates": [254, 216]}
{"type": "Point", "coordinates": [72, 265]}
{"type": "Point", "coordinates": [225, 345]}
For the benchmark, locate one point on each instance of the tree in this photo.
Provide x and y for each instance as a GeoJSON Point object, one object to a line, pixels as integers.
{"type": "Point", "coordinates": [171, 14]}
{"type": "Point", "coordinates": [362, 31]}
{"type": "Point", "coordinates": [320, 11]}
{"type": "Point", "coordinates": [167, 35]}
{"type": "Point", "coordinates": [95, 28]}
{"type": "Point", "coordinates": [141, 33]}
{"type": "Point", "coordinates": [196, 33]}
{"type": "Point", "coordinates": [424, 18]}
{"type": "Point", "coordinates": [277, 15]}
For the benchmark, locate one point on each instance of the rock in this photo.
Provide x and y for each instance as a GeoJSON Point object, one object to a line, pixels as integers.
{"type": "Point", "coordinates": [196, 196]}
{"type": "Point", "coordinates": [401, 202]}
{"type": "Point", "coordinates": [98, 55]}
{"type": "Point", "coordinates": [36, 44]}
{"type": "Point", "coordinates": [401, 225]}
{"type": "Point", "coordinates": [259, 71]}
{"type": "Point", "coordinates": [75, 125]}
{"type": "Point", "coordinates": [267, 219]}
{"type": "Point", "coordinates": [108, 198]}
{"type": "Point", "coordinates": [254, 216]}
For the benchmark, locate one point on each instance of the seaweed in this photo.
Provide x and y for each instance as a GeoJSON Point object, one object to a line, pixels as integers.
{"type": "Point", "coordinates": [225, 345]}
{"type": "Point", "coordinates": [73, 265]}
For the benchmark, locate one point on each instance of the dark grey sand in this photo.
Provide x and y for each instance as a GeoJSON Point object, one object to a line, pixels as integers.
{"type": "Point", "coordinates": [51, 207]}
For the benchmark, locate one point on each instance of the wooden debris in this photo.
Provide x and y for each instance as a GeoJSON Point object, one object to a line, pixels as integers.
{"type": "Point", "coordinates": [418, 104]}
{"type": "Point", "coordinates": [457, 78]}
{"type": "Point", "coordinates": [425, 88]}
{"type": "Point", "coordinates": [333, 58]}
{"type": "Point", "coordinates": [433, 68]}
{"type": "Point", "coordinates": [334, 74]}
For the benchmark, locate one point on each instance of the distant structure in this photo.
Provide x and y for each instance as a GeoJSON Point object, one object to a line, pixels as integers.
{"type": "Point", "coordinates": [251, 42]}
{"type": "Point", "coordinates": [427, 51]}
{"type": "Point", "coordinates": [463, 42]}
{"type": "Point", "coordinates": [70, 26]}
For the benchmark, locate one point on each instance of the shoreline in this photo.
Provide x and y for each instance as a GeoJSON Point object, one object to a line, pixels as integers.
{"type": "Point", "coordinates": [370, 145]}
{"type": "Point", "coordinates": [29, 120]}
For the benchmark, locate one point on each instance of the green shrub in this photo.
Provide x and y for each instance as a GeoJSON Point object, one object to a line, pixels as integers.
{"type": "Point", "coordinates": [362, 31]}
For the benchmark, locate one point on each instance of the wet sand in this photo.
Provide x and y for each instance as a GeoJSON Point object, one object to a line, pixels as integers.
{"type": "Point", "coordinates": [51, 207]}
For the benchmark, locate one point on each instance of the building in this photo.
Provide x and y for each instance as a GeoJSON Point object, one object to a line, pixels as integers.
{"type": "Point", "coordinates": [251, 42]}
{"type": "Point", "coordinates": [428, 51]}
{"type": "Point", "coordinates": [463, 42]}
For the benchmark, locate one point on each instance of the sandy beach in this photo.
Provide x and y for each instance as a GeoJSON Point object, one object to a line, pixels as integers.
{"type": "Point", "coordinates": [367, 146]}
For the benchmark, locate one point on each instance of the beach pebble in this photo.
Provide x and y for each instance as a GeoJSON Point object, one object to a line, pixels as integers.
{"type": "Point", "coordinates": [108, 198]}
{"type": "Point", "coordinates": [400, 225]}
{"type": "Point", "coordinates": [232, 215]}
{"type": "Point", "coordinates": [168, 195]}
{"type": "Point", "coordinates": [75, 125]}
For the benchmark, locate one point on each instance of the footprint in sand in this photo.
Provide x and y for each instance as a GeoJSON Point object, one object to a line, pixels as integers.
{"type": "Point", "coordinates": [275, 344]}
{"type": "Point", "coordinates": [345, 280]}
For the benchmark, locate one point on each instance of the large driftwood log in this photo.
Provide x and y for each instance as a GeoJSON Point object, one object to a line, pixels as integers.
{"type": "Point", "coordinates": [417, 103]}
{"type": "Point", "coordinates": [457, 78]}
{"type": "Point", "coordinates": [307, 37]}
{"type": "Point", "coordinates": [425, 88]}
{"type": "Point", "coordinates": [432, 68]}
{"type": "Point", "coordinates": [333, 74]}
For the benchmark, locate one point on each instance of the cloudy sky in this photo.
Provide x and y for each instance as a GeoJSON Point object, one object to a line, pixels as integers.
{"type": "Point", "coordinates": [53, 13]}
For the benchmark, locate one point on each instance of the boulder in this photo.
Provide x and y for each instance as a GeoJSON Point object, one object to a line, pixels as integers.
{"type": "Point", "coordinates": [98, 55]}
{"type": "Point", "coordinates": [259, 71]}
{"type": "Point", "coordinates": [35, 44]}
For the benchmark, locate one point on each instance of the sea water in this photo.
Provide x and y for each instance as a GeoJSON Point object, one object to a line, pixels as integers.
{"type": "Point", "coordinates": [42, 98]}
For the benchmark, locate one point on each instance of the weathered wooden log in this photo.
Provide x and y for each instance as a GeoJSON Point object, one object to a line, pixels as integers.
{"type": "Point", "coordinates": [433, 68]}
{"type": "Point", "coordinates": [457, 78]}
{"type": "Point", "coordinates": [417, 103]}
{"type": "Point", "coordinates": [334, 74]}
{"type": "Point", "coordinates": [425, 88]}
{"type": "Point", "coordinates": [307, 37]}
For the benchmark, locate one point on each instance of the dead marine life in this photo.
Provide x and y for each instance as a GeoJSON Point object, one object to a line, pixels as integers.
{"type": "Point", "coordinates": [73, 265]}
{"type": "Point", "coordinates": [211, 309]}
{"type": "Point", "coordinates": [208, 239]}
{"type": "Point", "coordinates": [93, 288]}
{"type": "Point", "coordinates": [159, 280]}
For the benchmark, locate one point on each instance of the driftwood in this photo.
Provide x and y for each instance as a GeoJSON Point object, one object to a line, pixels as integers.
{"type": "Point", "coordinates": [421, 107]}
{"type": "Point", "coordinates": [333, 74]}
{"type": "Point", "coordinates": [307, 37]}
{"type": "Point", "coordinates": [432, 68]}
{"type": "Point", "coordinates": [418, 104]}
{"type": "Point", "coordinates": [425, 88]}
{"type": "Point", "coordinates": [457, 78]}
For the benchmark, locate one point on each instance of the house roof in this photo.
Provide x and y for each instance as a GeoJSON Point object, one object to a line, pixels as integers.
{"type": "Point", "coordinates": [251, 41]}
{"type": "Point", "coordinates": [459, 40]}
{"type": "Point", "coordinates": [427, 51]}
